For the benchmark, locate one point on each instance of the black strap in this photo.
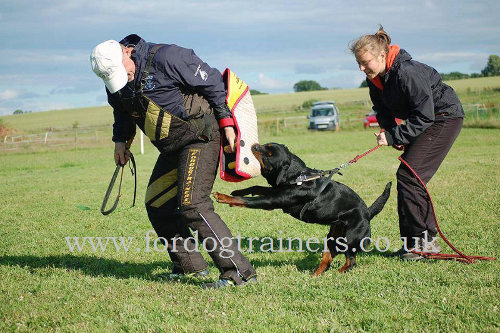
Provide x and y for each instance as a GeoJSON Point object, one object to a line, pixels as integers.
{"type": "Point", "coordinates": [133, 169]}
{"type": "Point", "coordinates": [145, 73]}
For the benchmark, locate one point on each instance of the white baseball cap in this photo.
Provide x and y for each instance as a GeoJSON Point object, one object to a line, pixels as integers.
{"type": "Point", "coordinates": [106, 61]}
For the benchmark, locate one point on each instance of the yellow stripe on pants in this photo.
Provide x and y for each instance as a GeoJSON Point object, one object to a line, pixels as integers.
{"type": "Point", "coordinates": [164, 198]}
{"type": "Point", "coordinates": [161, 184]}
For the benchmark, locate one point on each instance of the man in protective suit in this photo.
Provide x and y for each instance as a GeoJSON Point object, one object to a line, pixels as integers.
{"type": "Point", "coordinates": [179, 102]}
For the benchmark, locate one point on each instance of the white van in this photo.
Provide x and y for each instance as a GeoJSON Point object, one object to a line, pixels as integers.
{"type": "Point", "coordinates": [324, 116]}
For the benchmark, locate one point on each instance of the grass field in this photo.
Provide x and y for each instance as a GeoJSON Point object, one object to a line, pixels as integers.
{"type": "Point", "coordinates": [46, 287]}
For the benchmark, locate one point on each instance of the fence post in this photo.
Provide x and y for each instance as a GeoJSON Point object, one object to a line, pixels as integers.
{"type": "Point", "coordinates": [142, 143]}
{"type": "Point", "coordinates": [46, 135]}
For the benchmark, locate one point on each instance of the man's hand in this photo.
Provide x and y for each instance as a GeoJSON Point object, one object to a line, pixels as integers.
{"type": "Point", "coordinates": [381, 139]}
{"type": "Point", "coordinates": [231, 138]}
{"type": "Point", "coordinates": [122, 154]}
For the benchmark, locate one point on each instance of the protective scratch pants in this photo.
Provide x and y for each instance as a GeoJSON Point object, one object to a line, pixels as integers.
{"type": "Point", "coordinates": [178, 198]}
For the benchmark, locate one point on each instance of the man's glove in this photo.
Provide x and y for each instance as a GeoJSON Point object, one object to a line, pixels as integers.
{"type": "Point", "coordinates": [222, 111]}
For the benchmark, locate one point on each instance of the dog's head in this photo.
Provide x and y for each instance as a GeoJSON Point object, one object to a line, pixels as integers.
{"type": "Point", "coordinates": [278, 164]}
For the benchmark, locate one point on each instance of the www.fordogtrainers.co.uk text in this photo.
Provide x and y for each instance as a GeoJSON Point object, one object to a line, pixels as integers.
{"type": "Point", "coordinates": [151, 243]}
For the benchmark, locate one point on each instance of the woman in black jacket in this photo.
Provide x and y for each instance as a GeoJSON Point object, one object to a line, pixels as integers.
{"type": "Point", "coordinates": [403, 88]}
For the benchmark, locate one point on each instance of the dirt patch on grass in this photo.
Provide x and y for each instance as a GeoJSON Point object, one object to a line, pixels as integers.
{"type": "Point", "coordinates": [5, 131]}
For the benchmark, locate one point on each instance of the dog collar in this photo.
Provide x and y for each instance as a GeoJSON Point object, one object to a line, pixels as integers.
{"type": "Point", "coordinates": [303, 177]}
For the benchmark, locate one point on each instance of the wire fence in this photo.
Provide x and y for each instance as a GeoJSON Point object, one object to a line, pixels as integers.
{"type": "Point", "coordinates": [72, 138]}
{"type": "Point", "coordinates": [476, 110]}
{"type": "Point", "coordinates": [81, 137]}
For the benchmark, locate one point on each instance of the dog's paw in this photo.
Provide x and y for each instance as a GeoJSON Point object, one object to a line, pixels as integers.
{"type": "Point", "coordinates": [227, 199]}
{"type": "Point", "coordinates": [220, 197]}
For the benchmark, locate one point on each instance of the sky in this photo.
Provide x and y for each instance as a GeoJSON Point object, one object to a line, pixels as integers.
{"type": "Point", "coordinates": [270, 44]}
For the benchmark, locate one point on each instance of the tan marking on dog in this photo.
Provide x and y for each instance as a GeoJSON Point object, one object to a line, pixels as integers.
{"type": "Point", "coordinates": [325, 263]}
{"type": "Point", "coordinates": [258, 156]}
{"type": "Point", "coordinates": [344, 268]}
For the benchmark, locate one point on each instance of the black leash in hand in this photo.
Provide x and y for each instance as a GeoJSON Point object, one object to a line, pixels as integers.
{"type": "Point", "coordinates": [133, 170]}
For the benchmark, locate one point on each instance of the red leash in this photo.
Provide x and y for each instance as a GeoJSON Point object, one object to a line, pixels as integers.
{"type": "Point", "coordinates": [459, 256]}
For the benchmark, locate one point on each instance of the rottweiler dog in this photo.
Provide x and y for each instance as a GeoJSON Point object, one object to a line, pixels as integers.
{"type": "Point", "coordinates": [320, 200]}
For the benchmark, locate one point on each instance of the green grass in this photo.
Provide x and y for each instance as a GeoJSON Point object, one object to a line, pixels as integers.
{"type": "Point", "coordinates": [46, 287]}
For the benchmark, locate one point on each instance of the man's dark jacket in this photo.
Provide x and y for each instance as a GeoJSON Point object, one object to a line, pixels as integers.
{"type": "Point", "coordinates": [412, 91]}
{"type": "Point", "coordinates": [174, 73]}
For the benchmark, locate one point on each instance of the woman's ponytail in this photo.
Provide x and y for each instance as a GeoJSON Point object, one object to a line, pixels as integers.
{"type": "Point", "coordinates": [375, 43]}
{"type": "Point", "coordinates": [383, 37]}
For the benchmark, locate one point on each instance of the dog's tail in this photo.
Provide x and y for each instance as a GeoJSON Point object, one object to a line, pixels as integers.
{"type": "Point", "coordinates": [380, 202]}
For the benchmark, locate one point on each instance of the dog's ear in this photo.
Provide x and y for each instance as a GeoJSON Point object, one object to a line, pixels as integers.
{"type": "Point", "coordinates": [296, 164]}
{"type": "Point", "coordinates": [282, 176]}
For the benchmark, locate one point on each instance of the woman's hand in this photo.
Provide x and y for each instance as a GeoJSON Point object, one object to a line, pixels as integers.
{"type": "Point", "coordinates": [381, 139]}
{"type": "Point", "coordinates": [231, 138]}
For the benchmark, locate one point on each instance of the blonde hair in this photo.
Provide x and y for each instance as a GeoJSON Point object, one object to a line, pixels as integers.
{"type": "Point", "coordinates": [375, 43]}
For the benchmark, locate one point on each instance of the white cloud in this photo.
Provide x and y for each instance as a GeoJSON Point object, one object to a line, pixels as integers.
{"type": "Point", "coordinates": [11, 94]}
{"type": "Point", "coordinates": [268, 83]}
{"type": "Point", "coordinates": [430, 4]}
{"type": "Point", "coordinates": [49, 106]}
{"type": "Point", "coordinates": [464, 62]}
{"type": "Point", "coordinates": [452, 56]}
{"type": "Point", "coordinates": [34, 105]}
{"type": "Point", "coordinates": [46, 57]}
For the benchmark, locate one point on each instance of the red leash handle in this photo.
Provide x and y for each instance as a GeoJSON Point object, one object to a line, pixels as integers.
{"type": "Point", "coordinates": [459, 256]}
